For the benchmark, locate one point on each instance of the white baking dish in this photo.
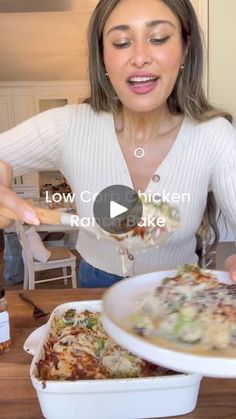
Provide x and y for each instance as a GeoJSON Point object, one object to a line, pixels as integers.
{"type": "Point", "coordinates": [109, 399]}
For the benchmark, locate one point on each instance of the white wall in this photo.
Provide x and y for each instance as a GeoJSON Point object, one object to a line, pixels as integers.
{"type": "Point", "coordinates": [222, 53]}
{"type": "Point", "coordinates": [44, 46]}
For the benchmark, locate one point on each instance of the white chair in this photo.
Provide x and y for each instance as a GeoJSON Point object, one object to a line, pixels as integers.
{"type": "Point", "coordinates": [60, 258]}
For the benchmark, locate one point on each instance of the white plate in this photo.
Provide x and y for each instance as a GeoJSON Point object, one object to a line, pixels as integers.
{"type": "Point", "coordinates": [120, 302]}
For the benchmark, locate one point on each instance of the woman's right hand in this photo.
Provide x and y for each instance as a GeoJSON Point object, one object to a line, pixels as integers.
{"type": "Point", "coordinates": [10, 200]}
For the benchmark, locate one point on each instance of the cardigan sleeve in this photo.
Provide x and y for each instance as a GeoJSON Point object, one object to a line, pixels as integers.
{"type": "Point", "coordinates": [36, 143]}
{"type": "Point", "coordinates": [223, 181]}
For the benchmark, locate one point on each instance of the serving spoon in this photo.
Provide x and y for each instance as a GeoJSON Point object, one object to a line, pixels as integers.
{"type": "Point", "coordinates": [126, 243]}
{"type": "Point", "coordinates": [37, 312]}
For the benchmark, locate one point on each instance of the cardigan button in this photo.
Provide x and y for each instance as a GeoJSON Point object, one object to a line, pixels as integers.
{"type": "Point", "coordinates": [156, 178]}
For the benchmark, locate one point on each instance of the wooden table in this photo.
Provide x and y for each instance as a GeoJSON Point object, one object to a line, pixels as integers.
{"type": "Point", "coordinates": [18, 398]}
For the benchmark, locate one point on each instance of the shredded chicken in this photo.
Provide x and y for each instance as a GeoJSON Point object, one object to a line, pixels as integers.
{"type": "Point", "coordinates": [192, 308]}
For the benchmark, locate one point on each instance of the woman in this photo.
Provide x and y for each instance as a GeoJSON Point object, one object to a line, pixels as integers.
{"type": "Point", "coordinates": [147, 125]}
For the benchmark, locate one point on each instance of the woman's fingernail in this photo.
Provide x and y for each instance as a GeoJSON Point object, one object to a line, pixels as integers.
{"type": "Point", "coordinates": [233, 275]}
{"type": "Point", "coordinates": [31, 218]}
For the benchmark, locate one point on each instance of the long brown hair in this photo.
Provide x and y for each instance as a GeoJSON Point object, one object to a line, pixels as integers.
{"type": "Point", "coordinates": [188, 96]}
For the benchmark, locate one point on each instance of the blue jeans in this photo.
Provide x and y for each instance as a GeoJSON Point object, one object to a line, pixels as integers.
{"type": "Point", "coordinates": [90, 277]}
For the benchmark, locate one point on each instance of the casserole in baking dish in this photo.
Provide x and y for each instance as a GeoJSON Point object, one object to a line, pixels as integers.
{"type": "Point", "coordinates": [107, 398]}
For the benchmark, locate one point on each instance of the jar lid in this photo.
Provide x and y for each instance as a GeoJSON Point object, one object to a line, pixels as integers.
{"type": "Point", "coordinates": [2, 292]}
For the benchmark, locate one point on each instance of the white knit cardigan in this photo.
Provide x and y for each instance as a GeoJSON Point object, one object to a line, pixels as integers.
{"type": "Point", "coordinates": [83, 145]}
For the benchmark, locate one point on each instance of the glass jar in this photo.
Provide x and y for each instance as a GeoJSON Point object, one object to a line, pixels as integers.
{"type": "Point", "coordinates": [5, 341]}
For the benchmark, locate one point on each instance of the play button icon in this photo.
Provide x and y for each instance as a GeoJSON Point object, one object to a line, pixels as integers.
{"type": "Point", "coordinates": [117, 209]}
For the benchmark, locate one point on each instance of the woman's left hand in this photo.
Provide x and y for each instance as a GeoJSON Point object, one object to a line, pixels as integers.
{"type": "Point", "coordinates": [230, 266]}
